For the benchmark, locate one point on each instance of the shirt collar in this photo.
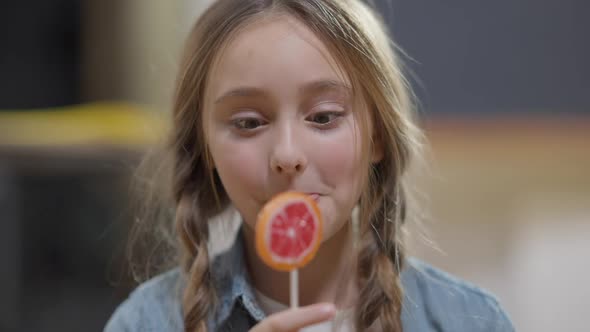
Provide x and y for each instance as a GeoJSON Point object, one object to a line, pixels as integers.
{"type": "Point", "coordinates": [232, 284]}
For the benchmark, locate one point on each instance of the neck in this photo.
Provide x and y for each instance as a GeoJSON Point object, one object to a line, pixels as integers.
{"type": "Point", "coordinates": [329, 277]}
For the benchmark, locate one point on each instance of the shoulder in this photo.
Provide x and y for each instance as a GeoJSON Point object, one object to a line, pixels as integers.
{"type": "Point", "coordinates": [152, 306]}
{"type": "Point", "coordinates": [446, 303]}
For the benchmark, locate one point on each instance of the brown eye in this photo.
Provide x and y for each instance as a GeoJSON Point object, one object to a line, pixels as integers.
{"type": "Point", "coordinates": [247, 123]}
{"type": "Point", "coordinates": [324, 118]}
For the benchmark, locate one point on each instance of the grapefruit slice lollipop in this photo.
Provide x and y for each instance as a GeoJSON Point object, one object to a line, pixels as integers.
{"type": "Point", "coordinates": [288, 231]}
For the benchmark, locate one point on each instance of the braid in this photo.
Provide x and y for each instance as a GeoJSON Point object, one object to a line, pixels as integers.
{"type": "Point", "coordinates": [379, 265]}
{"type": "Point", "coordinates": [198, 293]}
{"type": "Point", "coordinates": [192, 183]}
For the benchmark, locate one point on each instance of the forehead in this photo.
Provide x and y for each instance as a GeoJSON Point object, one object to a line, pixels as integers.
{"type": "Point", "coordinates": [273, 51]}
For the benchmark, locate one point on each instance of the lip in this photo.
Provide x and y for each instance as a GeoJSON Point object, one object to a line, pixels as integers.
{"type": "Point", "coordinates": [314, 196]}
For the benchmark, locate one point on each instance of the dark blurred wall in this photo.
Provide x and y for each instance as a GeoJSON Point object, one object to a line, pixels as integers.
{"type": "Point", "coordinates": [64, 220]}
{"type": "Point", "coordinates": [39, 57]}
{"type": "Point", "coordinates": [496, 56]}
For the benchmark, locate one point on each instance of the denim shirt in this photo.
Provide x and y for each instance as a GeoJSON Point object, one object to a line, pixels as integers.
{"type": "Point", "coordinates": [433, 301]}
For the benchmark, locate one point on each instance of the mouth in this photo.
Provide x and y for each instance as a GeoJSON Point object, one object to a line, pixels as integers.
{"type": "Point", "coordinates": [314, 196]}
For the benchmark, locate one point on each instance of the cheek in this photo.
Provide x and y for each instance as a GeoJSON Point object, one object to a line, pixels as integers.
{"type": "Point", "coordinates": [238, 165]}
{"type": "Point", "coordinates": [337, 164]}
{"type": "Point", "coordinates": [339, 159]}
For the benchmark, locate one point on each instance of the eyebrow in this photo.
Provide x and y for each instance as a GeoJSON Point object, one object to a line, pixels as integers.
{"type": "Point", "coordinates": [319, 85]}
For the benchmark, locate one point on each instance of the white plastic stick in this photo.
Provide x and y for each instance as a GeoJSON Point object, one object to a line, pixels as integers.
{"type": "Point", "coordinates": [294, 282]}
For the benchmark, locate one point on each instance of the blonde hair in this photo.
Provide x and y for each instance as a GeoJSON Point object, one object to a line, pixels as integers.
{"type": "Point", "coordinates": [357, 39]}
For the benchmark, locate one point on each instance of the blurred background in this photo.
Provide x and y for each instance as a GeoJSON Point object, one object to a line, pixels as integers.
{"type": "Point", "coordinates": [505, 92]}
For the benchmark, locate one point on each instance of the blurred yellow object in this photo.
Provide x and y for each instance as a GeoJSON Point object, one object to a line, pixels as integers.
{"type": "Point", "coordinates": [98, 124]}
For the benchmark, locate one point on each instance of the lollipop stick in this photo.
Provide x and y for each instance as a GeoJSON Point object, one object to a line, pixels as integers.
{"type": "Point", "coordinates": [294, 283]}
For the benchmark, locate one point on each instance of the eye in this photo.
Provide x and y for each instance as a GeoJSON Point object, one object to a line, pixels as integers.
{"type": "Point", "coordinates": [324, 119]}
{"type": "Point", "coordinates": [247, 123]}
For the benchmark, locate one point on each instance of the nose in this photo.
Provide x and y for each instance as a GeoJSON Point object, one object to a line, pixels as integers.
{"type": "Point", "coordinates": [288, 157]}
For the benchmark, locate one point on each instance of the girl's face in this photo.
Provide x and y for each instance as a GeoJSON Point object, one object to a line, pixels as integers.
{"type": "Point", "coordinates": [278, 116]}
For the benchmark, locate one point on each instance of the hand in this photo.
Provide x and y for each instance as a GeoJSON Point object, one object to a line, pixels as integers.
{"type": "Point", "coordinates": [294, 319]}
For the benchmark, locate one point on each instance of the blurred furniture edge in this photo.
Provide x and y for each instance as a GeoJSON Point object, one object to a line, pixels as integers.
{"type": "Point", "coordinates": [62, 137]}
{"type": "Point", "coordinates": [472, 160]}
{"type": "Point", "coordinates": [496, 129]}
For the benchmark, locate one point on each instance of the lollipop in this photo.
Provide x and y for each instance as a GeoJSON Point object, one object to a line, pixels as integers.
{"type": "Point", "coordinates": [288, 234]}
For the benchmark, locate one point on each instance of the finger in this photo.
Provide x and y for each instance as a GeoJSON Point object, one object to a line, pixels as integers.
{"type": "Point", "coordinates": [298, 318]}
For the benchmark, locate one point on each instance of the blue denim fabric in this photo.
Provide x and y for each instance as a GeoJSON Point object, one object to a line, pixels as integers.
{"type": "Point", "coordinates": [433, 301]}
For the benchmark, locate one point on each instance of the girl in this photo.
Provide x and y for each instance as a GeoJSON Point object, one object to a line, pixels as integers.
{"type": "Point", "coordinates": [304, 95]}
